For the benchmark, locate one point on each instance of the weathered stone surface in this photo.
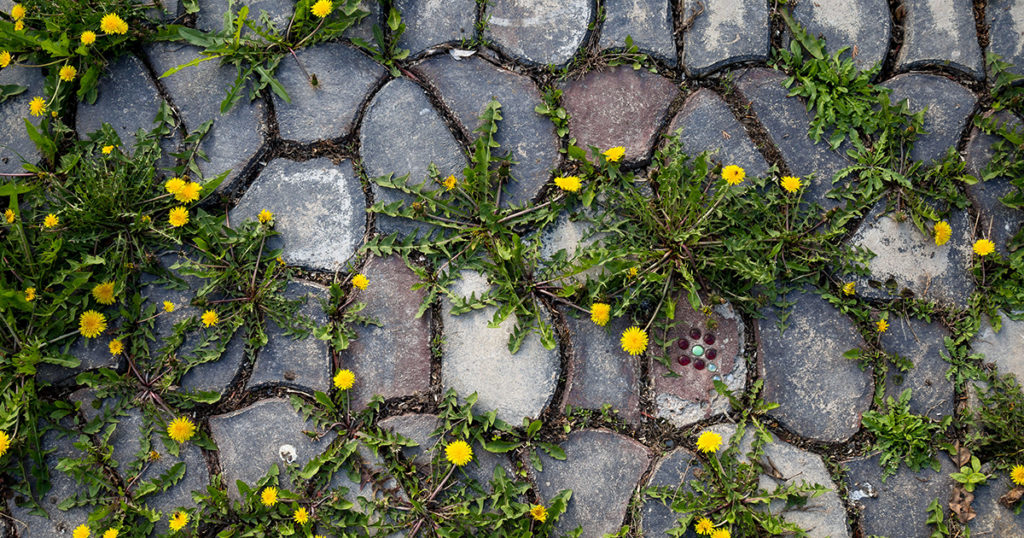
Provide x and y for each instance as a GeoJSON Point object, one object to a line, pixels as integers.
{"type": "Point", "coordinates": [126, 107]}
{"type": "Point", "coordinates": [993, 518]}
{"type": "Point", "coordinates": [475, 358]}
{"type": "Point", "coordinates": [1005, 20]}
{"type": "Point", "coordinates": [364, 30]}
{"type": "Point", "coordinates": [304, 362]}
{"type": "Point", "coordinates": [93, 353]}
{"type": "Point", "coordinates": [907, 259]}
{"type": "Point", "coordinates": [786, 119]}
{"type": "Point", "coordinates": [949, 105]}
{"type": "Point", "coordinates": [318, 207]}
{"type": "Point", "coordinates": [344, 78]}
{"type": "Point", "coordinates": [394, 359]}
{"type": "Point", "coordinates": [400, 116]}
{"type": "Point", "coordinates": [467, 86]}
{"type": "Point", "coordinates": [863, 27]}
{"type": "Point", "coordinates": [675, 470]}
{"type": "Point", "coordinates": [539, 31]}
{"type": "Point", "coordinates": [416, 427]}
{"type": "Point", "coordinates": [724, 33]}
{"type": "Point", "coordinates": [820, 393]}
{"type": "Point", "coordinates": [940, 33]}
{"type": "Point", "coordinates": [570, 233]}
{"type": "Point", "coordinates": [689, 396]}
{"type": "Point", "coordinates": [217, 375]}
{"type": "Point", "coordinates": [211, 13]}
{"type": "Point", "coordinates": [998, 221]}
{"type": "Point", "coordinates": [599, 372]}
{"type": "Point", "coordinates": [899, 505]}
{"type": "Point", "coordinates": [249, 440]}
{"type": "Point", "coordinates": [236, 137]}
{"type": "Point", "coordinates": [598, 505]}
{"type": "Point", "coordinates": [647, 22]}
{"type": "Point", "coordinates": [432, 22]}
{"type": "Point", "coordinates": [1005, 348]}
{"type": "Point", "coordinates": [15, 144]}
{"type": "Point", "coordinates": [619, 106]}
{"type": "Point", "coordinates": [921, 342]}
{"type": "Point", "coordinates": [708, 124]}
{"type": "Point", "coordinates": [59, 523]}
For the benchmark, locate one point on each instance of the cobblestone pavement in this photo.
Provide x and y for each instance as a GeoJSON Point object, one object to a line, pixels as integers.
{"type": "Point", "coordinates": [308, 161]}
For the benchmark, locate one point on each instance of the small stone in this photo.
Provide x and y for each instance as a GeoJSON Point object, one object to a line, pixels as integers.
{"type": "Point", "coordinates": [907, 259]}
{"type": "Point", "coordinates": [675, 470]}
{"type": "Point", "coordinates": [1006, 32]}
{"type": "Point", "coordinates": [15, 144]}
{"type": "Point", "coordinates": [821, 394]}
{"type": "Point", "coordinates": [599, 371]}
{"type": "Point", "coordinates": [940, 33]}
{"type": "Point", "coordinates": [602, 469]}
{"type": "Point", "coordinates": [211, 14]}
{"type": "Point", "coordinates": [922, 343]}
{"type": "Point", "coordinates": [1004, 348]}
{"type": "Point", "coordinates": [647, 22]}
{"type": "Point", "coordinates": [997, 219]}
{"type": "Point", "coordinates": [948, 104]}
{"type": "Point", "coordinates": [994, 519]}
{"type": "Point", "coordinates": [326, 110]}
{"type": "Point", "coordinates": [538, 31]}
{"type": "Point", "coordinates": [724, 33]}
{"type": "Point", "coordinates": [126, 107]}
{"type": "Point", "coordinates": [304, 362]}
{"type": "Point", "coordinates": [619, 106]}
{"type": "Point", "coordinates": [432, 22]}
{"type": "Point", "coordinates": [861, 26]}
{"type": "Point", "coordinates": [319, 209]}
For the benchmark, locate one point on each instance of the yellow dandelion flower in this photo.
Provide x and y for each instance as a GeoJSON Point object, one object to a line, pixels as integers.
{"type": "Point", "coordinates": [360, 281]}
{"type": "Point", "coordinates": [104, 293]}
{"type": "Point", "coordinates": [174, 185]}
{"type": "Point", "coordinates": [30, 294]}
{"type": "Point", "coordinates": [178, 521]}
{"type": "Point", "coordinates": [539, 513]}
{"type": "Point", "coordinates": [5, 443]}
{"type": "Point", "coordinates": [9, 216]}
{"type": "Point", "coordinates": [568, 183]}
{"type": "Point", "coordinates": [733, 174]}
{"type": "Point", "coordinates": [51, 221]}
{"type": "Point", "coordinates": [189, 192]}
{"type": "Point", "coordinates": [300, 515]}
{"type": "Point", "coordinates": [882, 325]}
{"type": "Point", "coordinates": [116, 347]}
{"type": "Point", "coordinates": [18, 12]}
{"type": "Point", "coordinates": [88, 37]}
{"type": "Point", "coordinates": [449, 182]}
{"type": "Point", "coordinates": [614, 154]}
{"type": "Point", "coordinates": [322, 8]}
{"type": "Point", "coordinates": [344, 379]}
{"type": "Point", "coordinates": [67, 73]}
{"type": "Point", "coordinates": [181, 429]}
{"type": "Point", "coordinates": [633, 271]}
{"type": "Point", "coordinates": [19, 26]}
{"type": "Point", "coordinates": [704, 526]}
{"type": "Point", "coordinates": [709, 441]}
{"type": "Point", "coordinates": [178, 216]}
{"type": "Point", "coordinates": [984, 247]}
{"type": "Point", "coordinates": [92, 323]}
{"type": "Point", "coordinates": [634, 340]}
{"type": "Point", "coordinates": [458, 453]}
{"type": "Point", "coordinates": [168, 306]}
{"type": "Point", "coordinates": [210, 318]}
{"type": "Point", "coordinates": [265, 216]}
{"type": "Point", "coordinates": [942, 232]}
{"type": "Point", "coordinates": [600, 313]}
{"type": "Point", "coordinates": [5, 58]}
{"type": "Point", "coordinates": [107, 150]}
{"type": "Point", "coordinates": [1017, 474]}
{"type": "Point", "coordinates": [37, 106]}
{"type": "Point", "coordinates": [111, 533]}
{"type": "Point", "coordinates": [790, 183]}
{"type": "Point", "coordinates": [721, 533]}
{"type": "Point", "coordinates": [269, 496]}
{"type": "Point", "coordinates": [81, 531]}
{"type": "Point", "coordinates": [111, 23]}
{"type": "Point", "coordinates": [849, 288]}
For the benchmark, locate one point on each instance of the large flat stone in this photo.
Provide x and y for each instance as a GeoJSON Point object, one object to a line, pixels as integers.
{"type": "Point", "coordinates": [993, 518]}
{"type": "Point", "coordinates": [126, 107]}
{"type": "Point", "coordinates": [432, 22]}
{"type": "Point", "coordinates": [647, 22]}
{"type": "Point", "coordinates": [401, 116]}
{"type": "Point", "coordinates": [708, 124]}
{"type": "Point", "coordinates": [899, 505]}
{"type": "Point", "coordinates": [59, 523]}
{"type": "Point", "coordinates": [1005, 349]}
{"type": "Point", "coordinates": [1005, 20]}
{"type": "Point", "coordinates": [236, 138]}
{"type": "Point", "coordinates": [211, 13]}
{"type": "Point", "coordinates": [940, 33]}
{"type": "Point", "coordinates": [921, 342]}
{"type": "Point", "coordinates": [319, 208]}
{"type": "Point", "coordinates": [724, 33]}
{"type": "Point", "coordinates": [786, 120]}
{"type": "Point", "coordinates": [539, 31]}
{"type": "Point", "coordinates": [821, 394]}
{"type": "Point", "coordinates": [619, 106]}
{"type": "Point", "coordinates": [15, 145]}
{"type": "Point", "coordinates": [998, 221]}
{"type": "Point", "coordinates": [249, 440]}
{"type": "Point", "coordinates": [949, 106]}
{"type": "Point", "coordinates": [599, 372]}
{"type": "Point", "coordinates": [862, 26]}
{"type": "Point", "coordinates": [475, 358]}
{"type": "Point", "coordinates": [392, 360]}
{"type": "Point", "coordinates": [529, 139]}
{"type": "Point", "coordinates": [675, 470]}
{"type": "Point", "coordinates": [304, 362]}
{"type": "Point", "coordinates": [601, 468]}
{"type": "Point", "coordinates": [906, 259]}
{"type": "Point", "coordinates": [327, 110]}
{"type": "Point", "coordinates": [687, 394]}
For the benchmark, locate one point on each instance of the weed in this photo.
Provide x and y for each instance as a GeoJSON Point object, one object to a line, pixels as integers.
{"type": "Point", "coordinates": [905, 437]}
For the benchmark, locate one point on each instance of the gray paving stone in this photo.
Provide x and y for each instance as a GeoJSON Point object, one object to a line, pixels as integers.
{"type": "Point", "coordinates": [59, 523]}
{"type": "Point", "coordinates": [400, 116]}
{"type": "Point", "coordinates": [675, 470]}
{"type": "Point", "coordinates": [618, 106]}
{"type": "Point", "coordinates": [1005, 20]}
{"type": "Point", "coordinates": [572, 234]}
{"type": "Point", "coordinates": [647, 22]}
{"type": "Point", "coordinates": [318, 207]}
{"type": "Point", "coordinates": [599, 372]}
{"type": "Point", "coordinates": [529, 139]}
{"type": "Point", "coordinates": [949, 106]}
{"type": "Point", "coordinates": [921, 342]}
{"type": "Point", "coordinates": [211, 13]}
{"type": "Point", "coordinates": [708, 124]}
{"type": "Point", "coordinates": [786, 120]}
{"type": "Point", "coordinates": [416, 427]}
{"type": "Point", "coordinates": [249, 440]}
{"type": "Point", "coordinates": [820, 393]}
{"type": "Point", "coordinates": [432, 22]}
{"type": "Point", "coordinates": [940, 33]}
{"type": "Point", "coordinates": [724, 33]}
{"type": "Point", "coordinates": [392, 360]}
{"type": "Point", "coordinates": [305, 362]}
{"type": "Point", "coordinates": [999, 222]}
{"type": "Point", "coordinates": [217, 375]}
{"type": "Point", "coordinates": [93, 353]}
{"type": "Point", "coordinates": [601, 468]}
{"type": "Point", "coordinates": [236, 137]}
{"type": "Point", "coordinates": [364, 30]}
{"type": "Point", "coordinates": [907, 259]}
{"type": "Point", "coordinates": [691, 396]}
{"type": "Point", "coordinates": [475, 358]}
{"type": "Point", "coordinates": [863, 27]}
{"type": "Point", "coordinates": [899, 505]}
{"type": "Point", "coordinates": [15, 144]}
{"type": "Point", "coordinates": [327, 110]}
{"type": "Point", "coordinates": [539, 31]}
{"type": "Point", "coordinates": [126, 107]}
{"type": "Point", "coordinates": [993, 518]}
{"type": "Point", "coordinates": [1005, 349]}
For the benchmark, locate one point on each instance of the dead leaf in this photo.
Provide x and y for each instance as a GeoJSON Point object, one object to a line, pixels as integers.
{"type": "Point", "coordinates": [726, 135]}
{"type": "Point", "coordinates": [1012, 497]}
{"type": "Point", "coordinates": [963, 456]}
{"type": "Point", "coordinates": [855, 51]}
{"type": "Point", "coordinates": [960, 504]}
